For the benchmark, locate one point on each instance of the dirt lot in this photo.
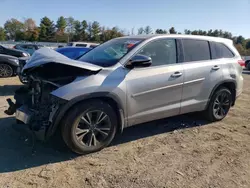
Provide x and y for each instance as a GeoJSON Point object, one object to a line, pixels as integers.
{"type": "Point", "coordinates": [183, 151]}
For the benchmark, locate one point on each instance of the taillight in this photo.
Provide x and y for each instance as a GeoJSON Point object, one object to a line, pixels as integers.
{"type": "Point", "coordinates": [241, 63]}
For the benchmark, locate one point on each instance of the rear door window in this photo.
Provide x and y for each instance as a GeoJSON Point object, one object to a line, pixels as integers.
{"type": "Point", "coordinates": [196, 50]}
{"type": "Point", "coordinates": [220, 50]}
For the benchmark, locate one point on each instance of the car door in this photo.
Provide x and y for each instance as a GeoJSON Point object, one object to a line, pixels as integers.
{"type": "Point", "coordinates": [155, 92]}
{"type": "Point", "coordinates": [201, 74]}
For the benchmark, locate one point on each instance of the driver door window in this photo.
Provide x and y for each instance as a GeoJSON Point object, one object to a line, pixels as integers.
{"type": "Point", "coordinates": [162, 52]}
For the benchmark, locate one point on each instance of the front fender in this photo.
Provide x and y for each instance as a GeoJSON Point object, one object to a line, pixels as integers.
{"type": "Point", "coordinates": [63, 110]}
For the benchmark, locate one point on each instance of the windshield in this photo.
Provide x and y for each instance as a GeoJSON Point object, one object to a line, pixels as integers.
{"type": "Point", "coordinates": [109, 53]}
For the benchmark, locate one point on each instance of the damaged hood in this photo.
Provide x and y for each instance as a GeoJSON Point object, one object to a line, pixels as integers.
{"type": "Point", "coordinates": [46, 55]}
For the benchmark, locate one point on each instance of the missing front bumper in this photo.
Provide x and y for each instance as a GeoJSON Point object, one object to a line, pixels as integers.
{"type": "Point", "coordinates": [24, 115]}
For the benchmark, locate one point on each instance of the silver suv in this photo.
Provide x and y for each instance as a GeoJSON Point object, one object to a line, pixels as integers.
{"type": "Point", "coordinates": [124, 82]}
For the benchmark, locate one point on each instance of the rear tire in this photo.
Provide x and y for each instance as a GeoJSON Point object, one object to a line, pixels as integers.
{"type": "Point", "coordinates": [219, 104]}
{"type": "Point", "coordinates": [5, 70]}
{"type": "Point", "coordinates": [89, 126]}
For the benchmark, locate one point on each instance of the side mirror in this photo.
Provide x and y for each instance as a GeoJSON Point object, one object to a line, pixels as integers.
{"type": "Point", "coordinates": [139, 61]}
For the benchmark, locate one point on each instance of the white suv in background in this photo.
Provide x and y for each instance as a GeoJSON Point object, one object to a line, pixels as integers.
{"type": "Point", "coordinates": [83, 44]}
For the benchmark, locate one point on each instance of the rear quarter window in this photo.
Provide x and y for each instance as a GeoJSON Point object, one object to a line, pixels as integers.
{"type": "Point", "coordinates": [220, 50]}
{"type": "Point", "coordinates": [196, 50]}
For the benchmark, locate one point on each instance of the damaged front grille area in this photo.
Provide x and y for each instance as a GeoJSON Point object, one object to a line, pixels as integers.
{"type": "Point", "coordinates": [35, 106]}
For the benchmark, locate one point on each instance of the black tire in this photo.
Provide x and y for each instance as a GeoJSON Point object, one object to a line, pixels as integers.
{"type": "Point", "coordinates": [77, 117]}
{"type": "Point", "coordinates": [218, 107]}
{"type": "Point", "coordinates": [6, 70]}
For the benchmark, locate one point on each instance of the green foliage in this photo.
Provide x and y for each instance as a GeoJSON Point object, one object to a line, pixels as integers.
{"type": "Point", "coordinates": [148, 30]}
{"type": "Point", "coordinates": [13, 27]}
{"type": "Point", "coordinates": [43, 32]}
{"type": "Point", "coordinates": [61, 24]}
{"type": "Point", "coordinates": [89, 31]}
{"type": "Point", "coordinates": [107, 34]}
{"type": "Point", "coordinates": [33, 35]}
{"type": "Point", "coordinates": [172, 30]}
{"type": "Point", "coordinates": [47, 30]}
{"type": "Point", "coordinates": [248, 44]}
{"type": "Point", "coordinates": [240, 40]}
{"type": "Point", "coordinates": [161, 31]}
{"type": "Point", "coordinates": [77, 31]}
{"type": "Point", "coordinates": [96, 31]}
{"type": "Point", "coordinates": [69, 29]}
{"type": "Point", "coordinates": [140, 31]}
{"type": "Point", "coordinates": [2, 34]}
{"type": "Point", "coordinates": [20, 35]}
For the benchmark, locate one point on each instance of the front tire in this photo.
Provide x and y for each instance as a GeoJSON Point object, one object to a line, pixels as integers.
{"type": "Point", "coordinates": [5, 70]}
{"type": "Point", "coordinates": [219, 105]}
{"type": "Point", "coordinates": [89, 127]}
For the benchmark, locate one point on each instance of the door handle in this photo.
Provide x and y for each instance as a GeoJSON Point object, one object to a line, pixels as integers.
{"type": "Point", "coordinates": [216, 67]}
{"type": "Point", "coordinates": [176, 74]}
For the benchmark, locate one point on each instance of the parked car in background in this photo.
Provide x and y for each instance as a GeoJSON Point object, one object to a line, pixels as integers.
{"type": "Point", "coordinates": [247, 62]}
{"type": "Point", "coordinates": [8, 65]}
{"type": "Point", "coordinates": [13, 52]}
{"type": "Point", "coordinates": [22, 62]}
{"type": "Point", "coordinates": [124, 82]}
{"type": "Point", "coordinates": [29, 48]}
{"type": "Point", "coordinates": [73, 52]}
{"type": "Point", "coordinates": [83, 44]}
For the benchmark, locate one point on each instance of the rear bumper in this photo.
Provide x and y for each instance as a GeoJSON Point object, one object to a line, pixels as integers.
{"type": "Point", "coordinates": [239, 89]}
{"type": "Point", "coordinates": [238, 93]}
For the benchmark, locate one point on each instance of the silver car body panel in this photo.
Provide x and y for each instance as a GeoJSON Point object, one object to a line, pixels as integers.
{"type": "Point", "coordinates": [151, 93]}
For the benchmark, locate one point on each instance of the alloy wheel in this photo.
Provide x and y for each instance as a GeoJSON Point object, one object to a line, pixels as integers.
{"type": "Point", "coordinates": [5, 70]}
{"type": "Point", "coordinates": [221, 105]}
{"type": "Point", "coordinates": [93, 128]}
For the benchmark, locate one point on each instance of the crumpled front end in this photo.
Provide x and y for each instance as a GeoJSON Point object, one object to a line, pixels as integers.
{"type": "Point", "coordinates": [34, 104]}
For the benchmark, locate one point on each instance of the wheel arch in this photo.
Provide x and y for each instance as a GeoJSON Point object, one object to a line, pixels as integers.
{"type": "Point", "coordinates": [229, 84]}
{"type": "Point", "coordinates": [109, 98]}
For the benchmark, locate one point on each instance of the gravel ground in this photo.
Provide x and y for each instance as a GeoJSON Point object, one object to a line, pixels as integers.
{"type": "Point", "coordinates": [183, 151]}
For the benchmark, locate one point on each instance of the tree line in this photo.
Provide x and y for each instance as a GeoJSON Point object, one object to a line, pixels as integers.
{"type": "Point", "coordinates": [70, 29]}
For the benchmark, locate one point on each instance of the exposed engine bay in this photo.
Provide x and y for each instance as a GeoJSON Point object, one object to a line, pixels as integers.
{"type": "Point", "coordinates": [35, 105]}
